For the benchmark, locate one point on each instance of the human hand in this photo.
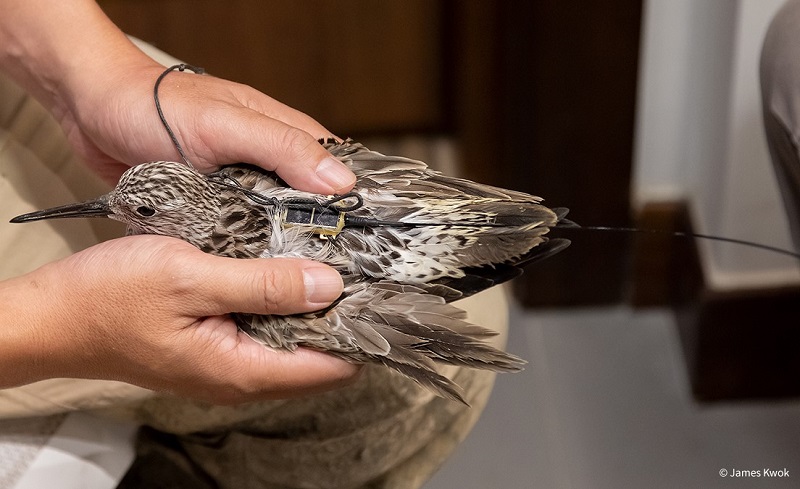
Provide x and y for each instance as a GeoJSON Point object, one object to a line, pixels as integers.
{"type": "Point", "coordinates": [216, 121]}
{"type": "Point", "coordinates": [99, 86]}
{"type": "Point", "coordinates": [149, 310]}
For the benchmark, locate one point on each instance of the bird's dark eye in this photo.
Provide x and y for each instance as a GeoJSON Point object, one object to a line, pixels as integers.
{"type": "Point", "coordinates": [145, 211]}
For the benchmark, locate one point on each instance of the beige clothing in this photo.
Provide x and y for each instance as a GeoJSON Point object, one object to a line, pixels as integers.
{"type": "Point", "coordinates": [383, 431]}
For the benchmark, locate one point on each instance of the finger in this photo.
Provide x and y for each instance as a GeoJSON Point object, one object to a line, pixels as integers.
{"type": "Point", "coordinates": [294, 374]}
{"type": "Point", "coordinates": [244, 370]}
{"type": "Point", "coordinates": [295, 118]}
{"type": "Point", "coordinates": [264, 104]}
{"type": "Point", "coordinates": [294, 154]}
{"type": "Point", "coordinates": [264, 286]}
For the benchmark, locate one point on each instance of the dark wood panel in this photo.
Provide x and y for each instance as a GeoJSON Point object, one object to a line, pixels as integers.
{"type": "Point", "coordinates": [358, 66]}
{"type": "Point", "coordinates": [473, 50]}
{"type": "Point", "coordinates": [743, 344]}
{"type": "Point", "coordinates": [665, 269]}
{"type": "Point", "coordinates": [551, 112]}
{"type": "Point", "coordinates": [738, 344]}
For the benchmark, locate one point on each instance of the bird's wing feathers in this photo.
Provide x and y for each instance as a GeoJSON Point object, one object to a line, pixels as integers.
{"type": "Point", "coordinates": [499, 225]}
{"type": "Point", "coordinates": [398, 325]}
{"type": "Point", "coordinates": [378, 170]}
{"type": "Point", "coordinates": [477, 279]}
{"type": "Point", "coordinates": [252, 177]}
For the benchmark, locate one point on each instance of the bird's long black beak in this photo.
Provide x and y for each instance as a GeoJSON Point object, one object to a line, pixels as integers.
{"type": "Point", "coordinates": [93, 208]}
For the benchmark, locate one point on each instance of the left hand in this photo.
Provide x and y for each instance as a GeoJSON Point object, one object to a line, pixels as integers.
{"type": "Point", "coordinates": [99, 86]}
{"type": "Point", "coordinates": [216, 121]}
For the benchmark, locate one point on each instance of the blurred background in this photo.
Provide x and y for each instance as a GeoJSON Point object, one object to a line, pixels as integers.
{"type": "Point", "coordinates": [655, 361]}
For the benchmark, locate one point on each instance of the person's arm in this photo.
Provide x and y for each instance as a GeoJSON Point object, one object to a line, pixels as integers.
{"type": "Point", "coordinates": [72, 58]}
{"type": "Point", "coordinates": [158, 321]}
{"type": "Point", "coordinates": [150, 310]}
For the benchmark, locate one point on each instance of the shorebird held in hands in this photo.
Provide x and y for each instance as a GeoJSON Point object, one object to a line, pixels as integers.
{"type": "Point", "coordinates": [407, 240]}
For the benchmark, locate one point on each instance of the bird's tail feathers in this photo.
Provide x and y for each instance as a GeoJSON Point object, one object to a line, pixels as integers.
{"type": "Point", "coordinates": [429, 331]}
{"type": "Point", "coordinates": [430, 379]}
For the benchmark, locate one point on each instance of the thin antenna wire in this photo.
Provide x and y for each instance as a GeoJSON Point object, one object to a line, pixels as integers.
{"type": "Point", "coordinates": [180, 67]}
{"type": "Point", "coordinates": [686, 234]}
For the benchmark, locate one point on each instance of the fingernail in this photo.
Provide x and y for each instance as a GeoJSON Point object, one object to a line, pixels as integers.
{"type": "Point", "coordinates": [323, 284]}
{"type": "Point", "coordinates": [334, 173]}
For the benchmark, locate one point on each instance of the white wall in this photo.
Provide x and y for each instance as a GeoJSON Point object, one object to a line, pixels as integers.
{"type": "Point", "coordinates": [700, 136]}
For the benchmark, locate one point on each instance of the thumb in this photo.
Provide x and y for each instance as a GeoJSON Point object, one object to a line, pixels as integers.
{"type": "Point", "coordinates": [292, 153]}
{"type": "Point", "coordinates": [265, 286]}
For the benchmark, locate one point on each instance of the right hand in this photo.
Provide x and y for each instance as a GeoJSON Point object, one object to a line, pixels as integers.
{"type": "Point", "coordinates": [150, 311]}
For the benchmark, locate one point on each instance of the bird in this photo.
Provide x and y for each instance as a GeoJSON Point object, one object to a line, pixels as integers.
{"type": "Point", "coordinates": [408, 241]}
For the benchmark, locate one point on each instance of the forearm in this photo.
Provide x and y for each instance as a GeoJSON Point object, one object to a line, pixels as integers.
{"type": "Point", "coordinates": [54, 48]}
{"type": "Point", "coordinates": [26, 354]}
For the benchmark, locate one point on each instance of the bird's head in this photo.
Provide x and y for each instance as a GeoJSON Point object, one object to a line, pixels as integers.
{"type": "Point", "coordinates": [160, 197]}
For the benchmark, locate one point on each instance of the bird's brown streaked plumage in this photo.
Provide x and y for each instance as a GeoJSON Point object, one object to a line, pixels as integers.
{"type": "Point", "coordinates": [418, 241]}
